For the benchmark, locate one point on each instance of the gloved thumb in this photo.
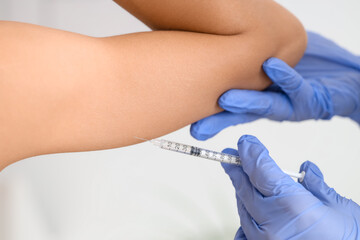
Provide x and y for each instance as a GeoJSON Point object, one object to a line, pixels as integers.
{"type": "Point", "coordinates": [288, 79]}
{"type": "Point", "coordinates": [264, 174]}
{"type": "Point", "coordinates": [314, 182]}
{"type": "Point", "coordinates": [283, 75]}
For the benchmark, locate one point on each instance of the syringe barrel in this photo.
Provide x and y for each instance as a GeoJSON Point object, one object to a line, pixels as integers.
{"type": "Point", "coordinates": [198, 152]}
{"type": "Point", "coordinates": [173, 146]}
{"type": "Point", "coordinates": [218, 156]}
{"type": "Point", "coordinates": [208, 154]}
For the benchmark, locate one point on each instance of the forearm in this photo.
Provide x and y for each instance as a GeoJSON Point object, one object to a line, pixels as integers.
{"type": "Point", "coordinates": [223, 17]}
{"type": "Point", "coordinates": [63, 92]}
{"type": "Point", "coordinates": [277, 27]}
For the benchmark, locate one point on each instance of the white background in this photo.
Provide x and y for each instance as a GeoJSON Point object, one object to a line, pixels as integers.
{"type": "Point", "coordinates": [140, 192]}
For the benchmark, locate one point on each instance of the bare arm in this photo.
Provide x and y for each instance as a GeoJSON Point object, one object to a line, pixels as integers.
{"type": "Point", "coordinates": [221, 17]}
{"type": "Point", "coordinates": [62, 92]}
{"type": "Point", "coordinates": [276, 28]}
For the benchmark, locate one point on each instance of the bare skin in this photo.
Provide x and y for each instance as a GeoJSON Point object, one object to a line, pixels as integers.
{"type": "Point", "coordinates": [64, 92]}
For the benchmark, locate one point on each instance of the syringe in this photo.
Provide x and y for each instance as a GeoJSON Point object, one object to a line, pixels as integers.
{"type": "Point", "coordinates": [207, 154]}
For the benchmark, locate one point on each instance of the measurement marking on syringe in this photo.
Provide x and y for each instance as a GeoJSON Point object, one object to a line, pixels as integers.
{"type": "Point", "coordinates": [205, 153]}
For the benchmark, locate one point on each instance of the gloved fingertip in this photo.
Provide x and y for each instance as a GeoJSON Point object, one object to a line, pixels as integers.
{"type": "Point", "coordinates": [314, 182]}
{"type": "Point", "coordinates": [227, 104]}
{"type": "Point", "coordinates": [228, 167]}
{"type": "Point", "coordinates": [304, 166]}
{"type": "Point", "coordinates": [230, 151]}
{"type": "Point", "coordinates": [233, 99]}
{"type": "Point", "coordinates": [195, 133]}
{"type": "Point", "coordinates": [246, 102]}
{"type": "Point", "coordinates": [311, 171]}
{"type": "Point", "coordinates": [228, 95]}
{"type": "Point", "coordinates": [200, 137]}
{"type": "Point", "coordinates": [245, 138]}
{"type": "Point", "coordinates": [271, 62]}
{"type": "Point", "coordinates": [278, 70]}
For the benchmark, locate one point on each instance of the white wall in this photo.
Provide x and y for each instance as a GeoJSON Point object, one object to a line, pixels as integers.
{"type": "Point", "coordinates": [140, 192]}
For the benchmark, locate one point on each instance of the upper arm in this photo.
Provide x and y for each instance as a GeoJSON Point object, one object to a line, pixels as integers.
{"type": "Point", "coordinates": [40, 70]}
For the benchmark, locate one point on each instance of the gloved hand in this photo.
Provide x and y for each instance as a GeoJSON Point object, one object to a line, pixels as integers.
{"type": "Point", "coordinates": [326, 83]}
{"type": "Point", "coordinates": [271, 205]}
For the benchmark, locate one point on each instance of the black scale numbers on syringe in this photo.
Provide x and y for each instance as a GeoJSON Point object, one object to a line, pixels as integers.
{"type": "Point", "coordinates": [207, 154]}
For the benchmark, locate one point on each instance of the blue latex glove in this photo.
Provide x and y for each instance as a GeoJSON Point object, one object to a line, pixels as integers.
{"type": "Point", "coordinates": [272, 205]}
{"type": "Point", "coordinates": [326, 83]}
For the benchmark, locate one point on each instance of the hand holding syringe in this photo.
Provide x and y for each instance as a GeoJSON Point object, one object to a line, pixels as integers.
{"type": "Point", "coordinates": [207, 154]}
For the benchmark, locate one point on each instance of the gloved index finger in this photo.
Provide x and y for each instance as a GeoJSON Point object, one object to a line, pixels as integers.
{"type": "Point", "coordinates": [290, 81]}
{"type": "Point", "coordinates": [262, 170]}
{"type": "Point", "coordinates": [264, 104]}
